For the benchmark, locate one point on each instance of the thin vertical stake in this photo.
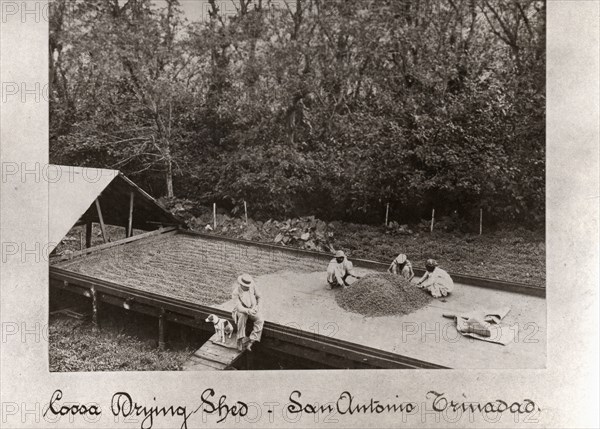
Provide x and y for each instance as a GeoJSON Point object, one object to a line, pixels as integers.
{"type": "Point", "coordinates": [246, 211]}
{"type": "Point", "coordinates": [480, 221]}
{"type": "Point", "coordinates": [215, 216]}
{"type": "Point", "coordinates": [432, 219]}
{"type": "Point", "coordinates": [387, 211]}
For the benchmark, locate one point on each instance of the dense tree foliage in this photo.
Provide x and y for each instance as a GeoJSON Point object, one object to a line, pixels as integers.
{"type": "Point", "coordinates": [326, 107]}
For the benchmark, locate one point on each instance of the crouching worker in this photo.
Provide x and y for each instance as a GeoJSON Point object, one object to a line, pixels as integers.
{"type": "Point", "coordinates": [437, 281]}
{"type": "Point", "coordinates": [246, 300]}
{"type": "Point", "coordinates": [338, 270]}
{"type": "Point", "coordinates": [402, 266]}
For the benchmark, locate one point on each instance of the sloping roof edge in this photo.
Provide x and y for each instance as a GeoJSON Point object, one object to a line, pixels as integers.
{"type": "Point", "coordinates": [73, 191]}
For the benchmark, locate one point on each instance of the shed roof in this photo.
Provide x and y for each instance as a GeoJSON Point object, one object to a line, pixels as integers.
{"type": "Point", "coordinates": [74, 190]}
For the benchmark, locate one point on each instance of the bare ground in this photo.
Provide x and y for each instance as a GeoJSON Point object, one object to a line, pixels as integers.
{"type": "Point", "coordinates": [75, 346]}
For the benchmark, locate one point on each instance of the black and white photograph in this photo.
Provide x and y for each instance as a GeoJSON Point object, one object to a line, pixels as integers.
{"type": "Point", "coordinates": [246, 184]}
{"type": "Point", "coordinates": [299, 213]}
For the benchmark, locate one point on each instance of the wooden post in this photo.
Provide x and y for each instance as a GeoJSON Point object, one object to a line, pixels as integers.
{"type": "Point", "coordinates": [432, 219]}
{"type": "Point", "coordinates": [246, 212]}
{"type": "Point", "coordinates": [80, 240]}
{"type": "Point", "coordinates": [130, 224]}
{"type": "Point", "coordinates": [387, 211]}
{"type": "Point", "coordinates": [101, 219]}
{"type": "Point", "coordinates": [94, 308]}
{"type": "Point", "coordinates": [214, 216]}
{"type": "Point", "coordinates": [161, 329]}
{"type": "Point", "coordinates": [249, 361]}
{"type": "Point", "coordinates": [88, 235]}
{"type": "Point", "coordinates": [480, 221]}
{"type": "Point", "coordinates": [127, 303]}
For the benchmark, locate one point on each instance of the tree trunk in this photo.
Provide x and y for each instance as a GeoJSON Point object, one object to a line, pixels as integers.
{"type": "Point", "coordinates": [168, 160]}
{"type": "Point", "coordinates": [169, 177]}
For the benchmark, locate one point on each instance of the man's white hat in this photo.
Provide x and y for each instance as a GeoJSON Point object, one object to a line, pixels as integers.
{"type": "Point", "coordinates": [245, 280]}
{"type": "Point", "coordinates": [401, 258]}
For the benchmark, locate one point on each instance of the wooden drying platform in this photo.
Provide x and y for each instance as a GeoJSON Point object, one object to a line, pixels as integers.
{"type": "Point", "coordinates": [214, 356]}
{"type": "Point", "coordinates": [147, 275]}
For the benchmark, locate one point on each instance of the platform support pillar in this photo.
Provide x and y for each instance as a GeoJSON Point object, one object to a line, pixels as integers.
{"type": "Point", "coordinates": [95, 305]}
{"type": "Point", "coordinates": [161, 329]}
{"type": "Point", "coordinates": [88, 235]}
{"type": "Point", "coordinates": [249, 361]}
{"type": "Point", "coordinates": [101, 219]}
{"type": "Point", "coordinates": [129, 231]}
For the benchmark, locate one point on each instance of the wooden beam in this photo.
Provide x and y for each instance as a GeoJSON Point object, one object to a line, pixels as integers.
{"type": "Point", "coordinates": [88, 235]}
{"type": "Point", "coordinates": [161, 224]}
{"type": "Point", "coordinates": [169, 230]}
{"type": "Point", "coordinates": [130, 225]}
{"type": "Point", "coordinates": [145, 196]}
{"type": "Point", "coordinates": [102, 226]}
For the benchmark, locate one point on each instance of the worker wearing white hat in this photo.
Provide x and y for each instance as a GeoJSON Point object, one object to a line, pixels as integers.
{"type": "Point", "coordinates": [338, 270]}
{"type": "Point", "coordinates": [401, 265]}
{"type": "Point", "coordinates": [247, 299]}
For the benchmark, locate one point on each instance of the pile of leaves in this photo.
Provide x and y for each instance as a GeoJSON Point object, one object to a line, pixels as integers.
{"type": "Point", "coordinates": [307, 232]}
{"type": "Point", "coordinates": [395, 228]}
{"type": "Point", "coordinates": [382, 294]}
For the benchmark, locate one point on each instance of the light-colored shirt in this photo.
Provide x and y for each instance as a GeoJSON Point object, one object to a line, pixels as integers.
{"type": "Point", "coordinates": [341, 270]}
{"type": "Point", "coordinates": [439, 277]}
{"type": "Point", "coordinates": [407, 270]}
{"type": "Point", "coordinates": [245, 298]}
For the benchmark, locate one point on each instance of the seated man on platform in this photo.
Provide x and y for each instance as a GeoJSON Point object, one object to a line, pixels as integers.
{"type": "Point", "coordinates": [246, 299]}
{"type": "Point", "coordinates": [437, 281]}
{"type": "Point", "coordinates": [338, 270]}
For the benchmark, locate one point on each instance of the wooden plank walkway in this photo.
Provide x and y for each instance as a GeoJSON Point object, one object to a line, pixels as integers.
{"type": "Point", "coordinates": [214, 355]}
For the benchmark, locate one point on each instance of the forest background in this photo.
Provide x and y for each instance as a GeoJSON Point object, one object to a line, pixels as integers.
{"type": "Point", "coordinates": [327, 108]}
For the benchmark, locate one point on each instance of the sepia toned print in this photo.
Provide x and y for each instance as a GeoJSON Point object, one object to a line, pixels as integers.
{"type": "Point", "coordinates": [110, 325]}
{"type": "Point", "coordinates": [288, 152]}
